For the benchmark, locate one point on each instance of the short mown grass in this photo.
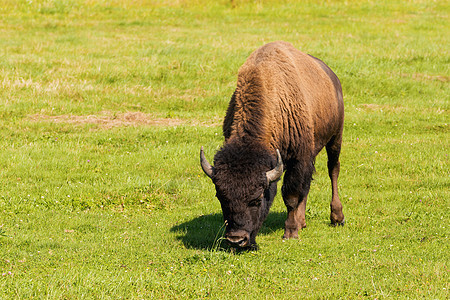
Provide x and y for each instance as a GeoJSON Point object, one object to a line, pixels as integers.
{"type": "Point", "coordinates": [104, 106]}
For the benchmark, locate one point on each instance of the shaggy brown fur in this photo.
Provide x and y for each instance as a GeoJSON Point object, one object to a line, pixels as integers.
{"type": "Point", "coordinates": [285, 100]}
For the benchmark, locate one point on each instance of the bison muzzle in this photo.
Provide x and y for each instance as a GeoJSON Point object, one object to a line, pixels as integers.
{"type": "Point", "coordinates": [286, 108]}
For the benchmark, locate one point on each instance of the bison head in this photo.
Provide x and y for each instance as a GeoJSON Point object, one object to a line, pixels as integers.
{"type": "Point", "coordinates": [246, 183]}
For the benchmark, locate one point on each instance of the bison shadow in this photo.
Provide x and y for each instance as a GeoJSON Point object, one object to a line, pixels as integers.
{"type": "Point", "coordinates": [204, 232]}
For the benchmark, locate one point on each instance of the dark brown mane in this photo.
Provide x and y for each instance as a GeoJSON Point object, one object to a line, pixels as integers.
{"type": "Point", "coordinates": [247, 113]}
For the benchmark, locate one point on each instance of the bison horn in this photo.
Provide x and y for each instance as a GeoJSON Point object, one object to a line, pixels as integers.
{"type": "Point", "coordinates": [275, 173]}
{"type": "Point", "coordinates": [206, 166]}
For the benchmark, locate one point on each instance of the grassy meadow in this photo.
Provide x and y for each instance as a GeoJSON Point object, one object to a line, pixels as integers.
{"type": "Point", "coordinates": [104, 105]}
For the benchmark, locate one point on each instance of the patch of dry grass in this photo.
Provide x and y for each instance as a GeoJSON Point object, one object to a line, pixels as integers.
{"type": "Point", "coordinates": [108, 119]}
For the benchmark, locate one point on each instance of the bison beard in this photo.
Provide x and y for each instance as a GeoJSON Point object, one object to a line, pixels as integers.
{"type": "Point", "coordinates": [287, 106]}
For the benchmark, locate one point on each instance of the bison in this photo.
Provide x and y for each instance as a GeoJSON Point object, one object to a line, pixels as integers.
{"type": "Point", "coordinates": [287, 106]}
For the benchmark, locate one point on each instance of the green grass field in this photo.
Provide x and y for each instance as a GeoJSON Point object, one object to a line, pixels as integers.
{"type": "Point", "coordinates": [104, 106]}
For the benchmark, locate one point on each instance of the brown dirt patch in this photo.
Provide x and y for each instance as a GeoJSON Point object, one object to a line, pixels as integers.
{"type": "Point", "coordinates": [382, 107]}
{"type": "Point", "coordinates": [423, 77]}
{"type": "Point", "coordinates": [106, 119]}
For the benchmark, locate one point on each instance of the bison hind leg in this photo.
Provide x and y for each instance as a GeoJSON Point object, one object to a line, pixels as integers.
{"type": "Point", "coordinates": [333, 151]}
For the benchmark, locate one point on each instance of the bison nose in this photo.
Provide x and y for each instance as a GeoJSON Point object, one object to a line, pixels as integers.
{"type": "Point", "coordinates": [239, 238]}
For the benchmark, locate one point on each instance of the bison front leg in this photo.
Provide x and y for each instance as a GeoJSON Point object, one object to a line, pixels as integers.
{"type": "Point", "coordinates": [297, 181]}
{"type": "Point", "coordinates": [295, 221]}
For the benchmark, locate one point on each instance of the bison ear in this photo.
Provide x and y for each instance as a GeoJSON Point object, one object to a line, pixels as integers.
{"type": "Point", "coordinates": [275, 173]}
{"type": "Point", "coordinates": [206, 166]}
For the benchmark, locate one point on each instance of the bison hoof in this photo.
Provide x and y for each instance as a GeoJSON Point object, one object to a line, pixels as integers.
{"type": "Point", "coordinates": [290, 234]}
{"type": "Point", "coordinates": [338, 223]}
